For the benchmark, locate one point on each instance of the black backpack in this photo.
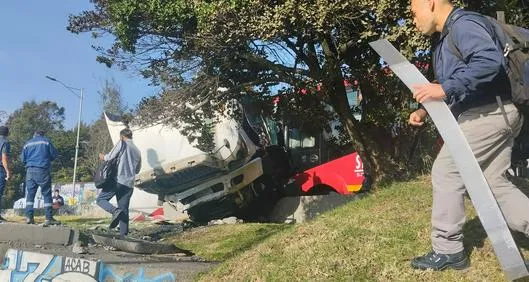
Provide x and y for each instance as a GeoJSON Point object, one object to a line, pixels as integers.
{"type": "Point", "coordinates": [106, 172]}
{"type": "Point", "coordinates": [515, 42]}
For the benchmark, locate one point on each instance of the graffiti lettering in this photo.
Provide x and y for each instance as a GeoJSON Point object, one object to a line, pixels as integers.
{"type": "Point", "coordinates": [139, 277]}
{"type": "Point", "coordinates": [79, 265]}
{"type": "Point", "coordinates": [28, 266]}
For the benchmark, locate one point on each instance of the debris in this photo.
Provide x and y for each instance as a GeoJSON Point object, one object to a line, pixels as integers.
{"type": "Point", "coordinates": [109, 248]}
{"type": "Point", "coordinates": [216, 222]}
{"type": "Point", "coordinates": [230, 220]}
{"type": "Point", "coordinates": [139, 218]}
{"type": "Point", "coordinates": [157, 212]}
{"type": "Point", "coordinates": [78, 248]}
{"type": "Point", "coordinates": [137, 246]}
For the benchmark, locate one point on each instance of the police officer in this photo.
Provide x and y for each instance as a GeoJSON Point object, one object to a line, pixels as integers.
{"type": "Point", "coordinates": [5, 150]}
{"type": "Point", "coordinates": [37, 155]}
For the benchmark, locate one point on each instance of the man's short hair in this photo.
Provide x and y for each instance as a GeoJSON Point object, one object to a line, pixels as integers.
{"type": "Point", "coordinates": [56, 190]}
{"type": "Point", "coordinates": [126, 133]}
{"type": "Point", "coordinates": [39, 133]}
{"type": "Point", "coordinates": [4, 130]}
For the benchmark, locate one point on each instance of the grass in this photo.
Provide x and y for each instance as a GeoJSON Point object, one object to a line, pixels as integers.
{"type": "Point", "coordinates": [221, 242]}
{"type": "Point", "coordinates": [372, 239]}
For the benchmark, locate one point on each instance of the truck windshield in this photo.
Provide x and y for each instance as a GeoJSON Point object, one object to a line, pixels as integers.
{"type": "Point", "coordinates": [264, 127]}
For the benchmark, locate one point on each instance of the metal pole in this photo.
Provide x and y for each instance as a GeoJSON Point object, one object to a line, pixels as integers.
{"type": "Point", "coordinates": [77, 142]}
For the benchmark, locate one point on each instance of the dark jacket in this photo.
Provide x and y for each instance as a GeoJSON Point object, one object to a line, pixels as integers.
{"type": "Point", "coordinates": [480, 76]}
{"type": "Point", "coordinates": [5, 148]}
{"type": "Point", "coordinates": [38, 152]}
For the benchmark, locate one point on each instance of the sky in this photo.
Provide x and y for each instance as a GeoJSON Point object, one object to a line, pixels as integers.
{"type": "Point", "coordinates": [34, 43]}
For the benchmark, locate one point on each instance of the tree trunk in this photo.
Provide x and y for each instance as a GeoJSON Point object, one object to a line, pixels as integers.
{"type": "Point", "coordinates": [333, 85]}
{"type": "Point", "coordinates": [378, 165]}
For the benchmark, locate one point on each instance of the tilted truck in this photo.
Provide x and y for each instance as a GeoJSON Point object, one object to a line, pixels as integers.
{"type": "Point", "coordinates": [253, 162]}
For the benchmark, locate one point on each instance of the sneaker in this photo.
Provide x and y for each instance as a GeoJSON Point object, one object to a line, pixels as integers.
{"type": "Point", "coordinates": [30, 221]}
{"type": "Point", "coordinates": [115, 218]}
{"type": "Point", "coordinates": [438, 262]}
{"type": "Point", "coordinates": [50, 222]}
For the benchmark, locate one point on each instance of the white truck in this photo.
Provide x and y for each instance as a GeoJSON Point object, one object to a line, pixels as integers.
{"type": "Point", "coordinates": [250, 162]}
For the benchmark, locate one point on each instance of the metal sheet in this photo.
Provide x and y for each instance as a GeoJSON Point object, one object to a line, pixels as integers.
{"type": "Point", "coordinates": [482, 198]}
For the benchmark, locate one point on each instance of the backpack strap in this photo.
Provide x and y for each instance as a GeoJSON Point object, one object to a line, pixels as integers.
{"type": "Point", "coordinates": [453, 48]}
{"type": "Point", "coordinates": [121, 150]}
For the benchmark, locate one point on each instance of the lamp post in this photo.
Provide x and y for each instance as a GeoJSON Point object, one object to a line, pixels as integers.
{"type": "Point", "coordinates": [80, 96]}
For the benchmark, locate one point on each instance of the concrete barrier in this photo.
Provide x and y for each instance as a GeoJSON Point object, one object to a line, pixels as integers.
{"type": "Point", "coordinates": [37, 235]}
{"type": "Point", "coordinates": [302, 208]}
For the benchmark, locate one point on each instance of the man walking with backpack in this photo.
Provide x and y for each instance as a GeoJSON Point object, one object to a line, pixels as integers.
{"type": "Point", "coordinates": [37, 155]}
{"type": "Point", "coordinates": [129, 164]}
{"type": "Point", "coordinates": [469, 65]}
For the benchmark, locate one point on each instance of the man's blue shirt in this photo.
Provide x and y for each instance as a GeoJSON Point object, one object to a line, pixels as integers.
{"type": "Point", "coordinates": [38, 152]}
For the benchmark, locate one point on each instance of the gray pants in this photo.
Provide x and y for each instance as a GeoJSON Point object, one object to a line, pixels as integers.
{"type": "Point", "coordinates": [491, 141]}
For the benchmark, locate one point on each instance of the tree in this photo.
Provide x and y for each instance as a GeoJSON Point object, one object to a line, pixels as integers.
{"type": "Point", "coordinates": [3, 116]}
{"type": "Point", "coordinates": [111, 99]}
{"type": "Point", "coordinates": [516, 11]}
{"type": "Point", "coordinates": [100, 141]}
{"type": "Point", "coordinates": [65, 142]}
{"type": "Point", "coordinates": [264, 48]}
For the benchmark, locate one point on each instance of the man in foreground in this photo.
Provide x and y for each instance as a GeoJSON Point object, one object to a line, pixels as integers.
{"type": "Point", "coordinates": [469, 86]}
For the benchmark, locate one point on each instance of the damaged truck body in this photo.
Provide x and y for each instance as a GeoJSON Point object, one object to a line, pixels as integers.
{"type": "Point", "coordinates": [254, 162]}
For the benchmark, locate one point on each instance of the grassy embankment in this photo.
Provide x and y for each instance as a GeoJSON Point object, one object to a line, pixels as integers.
{"type": "Point", "coordinates": [372, 239]}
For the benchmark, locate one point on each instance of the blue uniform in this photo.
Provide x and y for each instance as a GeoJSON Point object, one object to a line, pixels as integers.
{"type": "Point", "coordinates": [5, 149]}
{"type": "Point", "coordinates": [37, 155]}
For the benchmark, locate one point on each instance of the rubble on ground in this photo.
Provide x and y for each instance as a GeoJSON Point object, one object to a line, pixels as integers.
{"type": "Point", "coordinates": [228, 220]}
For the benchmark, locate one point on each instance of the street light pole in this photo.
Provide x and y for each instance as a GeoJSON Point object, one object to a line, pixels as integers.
{"type": "Point", "coordinates": [80, 96]}
{"type": "Point", "coordinates": [77, 142]}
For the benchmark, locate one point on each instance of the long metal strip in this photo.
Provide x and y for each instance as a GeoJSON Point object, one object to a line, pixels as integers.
{"type": "Point", "coordinates": [482, 198]}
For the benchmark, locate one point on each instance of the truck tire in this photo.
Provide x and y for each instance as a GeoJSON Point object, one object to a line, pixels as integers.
{"type": "Point", "coordinates": [217, 209]}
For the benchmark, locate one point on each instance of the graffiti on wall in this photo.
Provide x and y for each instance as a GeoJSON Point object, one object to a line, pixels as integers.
{"type": "Point", "coordinates": [84, 193]}
{"type": "Point", "coordinates": [22, 266]}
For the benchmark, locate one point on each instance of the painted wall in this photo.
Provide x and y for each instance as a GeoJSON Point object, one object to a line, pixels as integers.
{"type": "Point", "coordinates": [22, 266]}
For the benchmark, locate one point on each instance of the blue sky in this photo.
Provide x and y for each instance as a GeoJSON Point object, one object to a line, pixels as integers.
{"type": "Point", "coordinates": [35, 43]}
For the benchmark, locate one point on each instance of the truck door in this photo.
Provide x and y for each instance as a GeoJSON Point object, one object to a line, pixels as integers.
{"type": "Point", "coordinates": [305, 150]}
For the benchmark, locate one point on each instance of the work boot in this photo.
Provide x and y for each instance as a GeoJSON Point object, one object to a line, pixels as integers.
{"type": "Point", "coordinates": [438, 262]}
{"type": "Point", "coordinates": [50, 222]}
{"type": "Point", "coordinates": [30, 220]}
{"type": "Point", "coordinates": [115, 218]}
